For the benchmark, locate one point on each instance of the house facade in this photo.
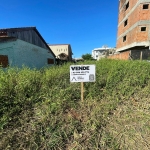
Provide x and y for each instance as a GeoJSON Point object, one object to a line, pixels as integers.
{"type": "Point", "coordinates": [24, 46]}
{"type": "Point", "coordinates": [99, 53]}
{"type": "Point", "coordinates": [133, 27]}
{"type": "Point", "coordinates": [62, 51]}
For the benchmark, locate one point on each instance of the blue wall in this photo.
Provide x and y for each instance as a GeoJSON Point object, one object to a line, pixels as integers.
{"type": "Point", "coordinates": [22, 53]}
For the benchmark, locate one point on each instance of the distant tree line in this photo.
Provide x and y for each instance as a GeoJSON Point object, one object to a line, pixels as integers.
{"type": "Point", "coordinates": [87, 56]}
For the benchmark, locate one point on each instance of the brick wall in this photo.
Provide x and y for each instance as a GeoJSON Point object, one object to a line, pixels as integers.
{"type": "Point", "coordinates": [132, 19]}
{"type": "Point", "coordinates": [121, 56]}
{"type": "Point", "coordinates": [134, 36]}
{"type": "Point", "coordinates": [123, 12]}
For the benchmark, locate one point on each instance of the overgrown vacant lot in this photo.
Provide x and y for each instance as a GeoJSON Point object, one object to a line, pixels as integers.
{"type": "Point", "coordinates": [41, 109]}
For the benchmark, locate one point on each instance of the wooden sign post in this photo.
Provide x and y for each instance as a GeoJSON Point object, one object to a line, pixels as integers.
{"type": "Point", "coordinates": [82, 91]}
{"type": "Point", "coordinates": [141, 55]}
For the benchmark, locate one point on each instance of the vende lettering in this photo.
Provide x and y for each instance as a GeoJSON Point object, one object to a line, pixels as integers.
{"type": "Point", "coordinates": [81, 68]}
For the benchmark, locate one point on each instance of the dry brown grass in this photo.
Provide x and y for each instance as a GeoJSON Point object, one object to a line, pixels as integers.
{"type": "Point", "coordinates": [129, 125]}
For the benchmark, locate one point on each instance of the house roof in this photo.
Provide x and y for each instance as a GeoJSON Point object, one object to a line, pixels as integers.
{"type": "Point", "coordinates": [4, 32]}
{"type": "Point", "coordinates": [18, 29]}
{"type": "Point", "coordinates": [101, 49]}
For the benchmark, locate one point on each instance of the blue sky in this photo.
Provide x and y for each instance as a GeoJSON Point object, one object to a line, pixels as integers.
{"type": "Point", "coordinates": [85, 24]}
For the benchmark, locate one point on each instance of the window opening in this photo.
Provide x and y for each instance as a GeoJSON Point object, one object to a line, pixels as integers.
{"type": "Point", "coordinates": [124, 38]}
{"type": "Point", "coordinates": [50, 61]}
{"type": "Point", "coordinates": [127, 6]}
{"type": "Point", "coordinates": [145, 6]}
{"type": "Point", "coordinates": [126, 22]}
{"type": "Point", "coordinates": [143, 28]}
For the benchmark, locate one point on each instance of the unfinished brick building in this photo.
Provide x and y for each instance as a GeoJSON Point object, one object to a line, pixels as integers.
{"type": "Point", "coordinates": [134, 29]}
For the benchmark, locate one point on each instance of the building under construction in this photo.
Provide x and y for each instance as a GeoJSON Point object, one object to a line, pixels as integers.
{"type": "Point", "coordinates": [133, 38]}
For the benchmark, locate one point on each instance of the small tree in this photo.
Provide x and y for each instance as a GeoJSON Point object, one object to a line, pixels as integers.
{"type": "Point", "coordinates": [87, 56]}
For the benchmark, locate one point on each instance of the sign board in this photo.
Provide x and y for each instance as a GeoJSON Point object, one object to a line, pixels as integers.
{"type": "Point", "coordinates": [82, 73]}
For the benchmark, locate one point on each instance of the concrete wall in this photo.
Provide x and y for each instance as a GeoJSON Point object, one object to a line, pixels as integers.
{"type": "Point", "coordinates": [22, 53]}
{"type": "Point", "coordinates": [58, 49]}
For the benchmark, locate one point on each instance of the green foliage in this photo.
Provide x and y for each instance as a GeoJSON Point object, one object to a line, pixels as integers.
{"type": "Point", "coordinates": [41, 109]}
{"type": "Point", "coordinates": [87, 56]}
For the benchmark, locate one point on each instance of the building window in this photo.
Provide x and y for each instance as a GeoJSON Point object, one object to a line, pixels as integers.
{"type": "Point", "coordinates": [4, 61]}
{"type": "Point", "coordinates": [145, 6]}
{"type": "Point", "coordinates": [50, 61]}
{"type": "Point", "coordinates": [126, 22]}
{"type": "Point", "coordinates": [143, 28]}
{"type": "Point", "coordinates": [127, 6]}
{"type": "Point", "coordinates": [3, 33]}
{"type": "Point", "coordinates": [124, 38]}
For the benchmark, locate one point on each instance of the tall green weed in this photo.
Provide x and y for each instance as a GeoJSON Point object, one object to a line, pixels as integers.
{"type": "Point", "coordinates": [46, 101]}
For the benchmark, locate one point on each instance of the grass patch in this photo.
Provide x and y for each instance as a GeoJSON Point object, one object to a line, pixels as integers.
{"type": "Point", "coordinates": [41, 109]}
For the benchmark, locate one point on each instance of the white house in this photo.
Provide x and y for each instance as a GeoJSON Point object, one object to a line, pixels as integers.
{"type": "Point", "coordinates": [99, 53]}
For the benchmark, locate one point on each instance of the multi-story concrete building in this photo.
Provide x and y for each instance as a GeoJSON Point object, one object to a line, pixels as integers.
{"type": "Point", "coordinates": [133, 25]}
{"type": "Point", "coordinates": [62, 51]}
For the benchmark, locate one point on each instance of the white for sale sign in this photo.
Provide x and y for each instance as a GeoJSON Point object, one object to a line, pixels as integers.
{"type": "Point", "coordinates": [82, 73]}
